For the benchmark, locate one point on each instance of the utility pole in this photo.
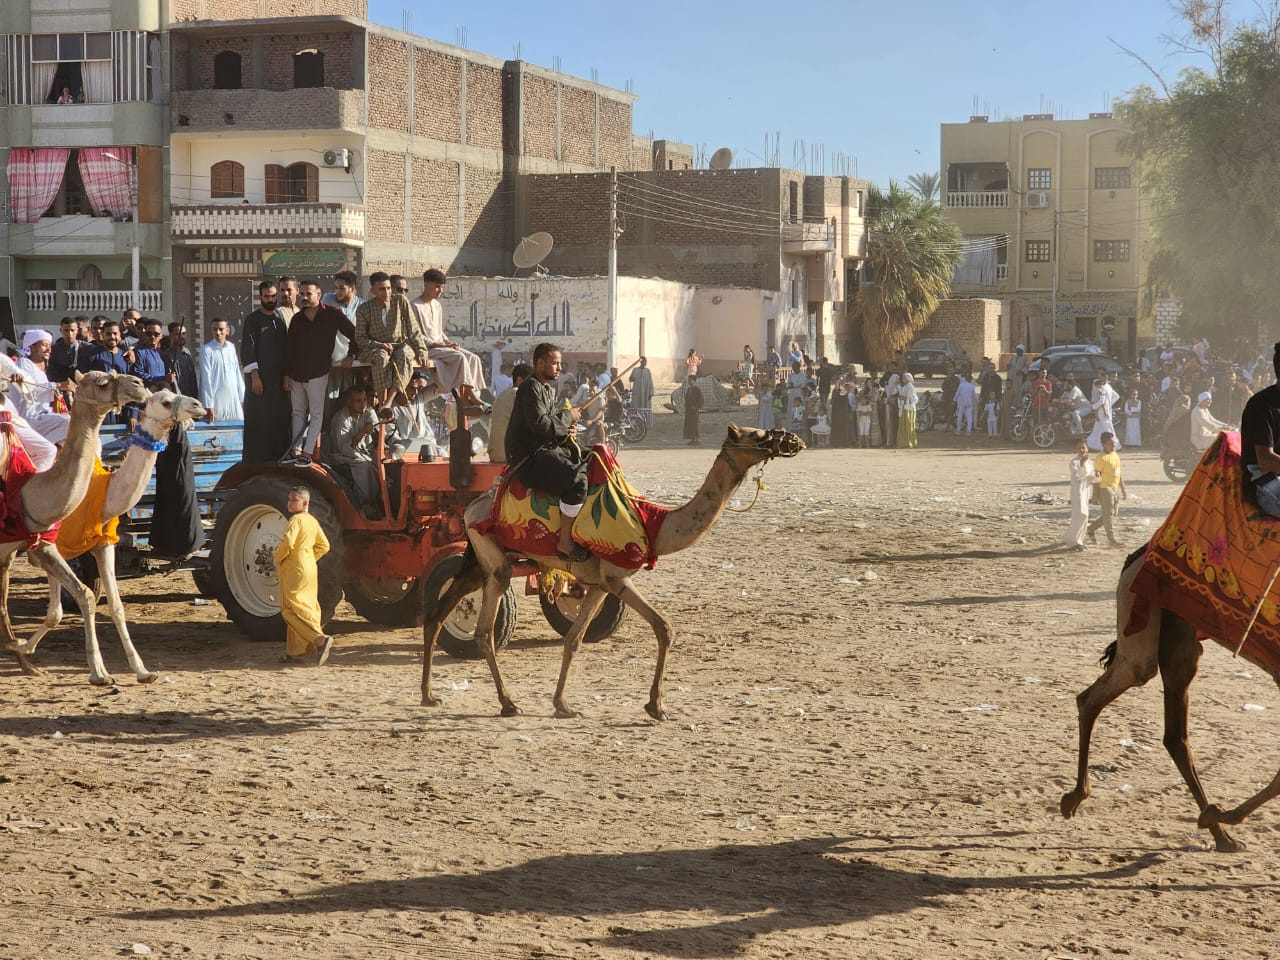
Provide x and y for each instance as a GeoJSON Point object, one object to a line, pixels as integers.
{"type": "Point", "coordinates": [1053, 307]}
{"type": "Point", "coordinates": [611, 326]}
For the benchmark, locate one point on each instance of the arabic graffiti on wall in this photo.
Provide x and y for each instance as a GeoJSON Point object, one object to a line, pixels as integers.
{"type": "Point", "coordinates": [570, 311]}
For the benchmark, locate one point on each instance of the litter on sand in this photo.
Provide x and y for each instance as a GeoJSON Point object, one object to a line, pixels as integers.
{"type": "Point", "coordinates": [980, 708]}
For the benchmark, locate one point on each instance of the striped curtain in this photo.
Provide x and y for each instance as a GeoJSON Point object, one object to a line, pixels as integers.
{"type": "Point", "coordinates": [108, 183]}
{"type": "Point", "coordinates": [35, 176]}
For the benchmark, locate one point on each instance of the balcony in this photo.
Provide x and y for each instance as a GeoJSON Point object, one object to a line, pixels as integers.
{"type": "Point", "coordinates": [978, 199]}
{"type": "Point", "coordinates": [809, 237]}
{"type": "Point", "coordinates": [309, 108]}
{"type": "Point", "coordinates": [1002, 272]}
{"type": "Point", "coordinates": [94, 301]}
{"type": "Point", "coordinates": [302, 224]}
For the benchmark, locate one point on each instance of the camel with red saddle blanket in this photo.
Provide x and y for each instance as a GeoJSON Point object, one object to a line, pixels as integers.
{"type": "Point", "coordinates": [34, 504]}
{"type": "Point", "coordinates": [488, 562]}
{"type": "Point", "coordinates": [1208, 572]}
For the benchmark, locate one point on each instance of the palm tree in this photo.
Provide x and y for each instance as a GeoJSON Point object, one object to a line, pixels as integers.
{"type": "Point", "coordinates": [925, 185]}
{"type": "Point", "coordinates": [912, 250]}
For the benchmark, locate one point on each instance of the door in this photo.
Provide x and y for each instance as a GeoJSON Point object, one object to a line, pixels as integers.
{"type": "Point", "coordinates": [225, 298]}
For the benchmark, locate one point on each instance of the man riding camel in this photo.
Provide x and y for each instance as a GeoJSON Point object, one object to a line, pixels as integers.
{"type": "Point", "coordinates": [540, 442]}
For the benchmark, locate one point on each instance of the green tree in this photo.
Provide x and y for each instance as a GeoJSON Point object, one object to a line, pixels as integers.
{"type": "Point", "coordinates": [1207, 151]}
{"type": "Point", "coordinates": [912, 251]}
{"type": "Point", "coordinates": [925, 185]}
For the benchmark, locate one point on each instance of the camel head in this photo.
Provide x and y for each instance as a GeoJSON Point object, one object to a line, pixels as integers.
{"type": "Point", "coordinates": [164, 408]}
{"type": "Point", "coordinates": [108, 391]}
{"type": "Point", "coordinates": [747, 446]}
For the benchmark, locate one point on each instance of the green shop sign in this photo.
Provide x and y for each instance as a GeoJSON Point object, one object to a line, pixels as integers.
{"type": "Point", "coordinates": [299, 263]}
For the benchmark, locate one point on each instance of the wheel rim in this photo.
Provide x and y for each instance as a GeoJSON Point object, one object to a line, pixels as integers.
{"type": "Point", "coordinates": [465, 617]}
{"type": "Point", "coordinates": [249, 559]}
{"type": "Point", "coordinates": [569, 605]}
{"type": "Point", "coordinates": [1043, 436]}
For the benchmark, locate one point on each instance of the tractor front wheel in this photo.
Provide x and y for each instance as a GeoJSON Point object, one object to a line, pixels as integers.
{"type": "Point", "coordinates": [564, 611]}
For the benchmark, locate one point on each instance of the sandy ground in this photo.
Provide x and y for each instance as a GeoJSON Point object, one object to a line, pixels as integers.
{"type": "Point", "coordinates": [872, 722]}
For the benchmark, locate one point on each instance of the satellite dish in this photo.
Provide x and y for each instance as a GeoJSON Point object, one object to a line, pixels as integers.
{"type": "Point", "coordinates": [722, 159]}
{"type": "Point", "coordinates": [532, 250]}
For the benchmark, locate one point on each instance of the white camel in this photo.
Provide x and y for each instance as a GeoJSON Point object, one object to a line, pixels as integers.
{"type": "Point", "coordinates": [124, 489]}
{"type": "Point", "coordinates": [49, 497]}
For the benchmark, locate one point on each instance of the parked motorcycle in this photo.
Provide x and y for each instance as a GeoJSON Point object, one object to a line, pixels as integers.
{"type": "Point", "coordinates": [1065, 420]}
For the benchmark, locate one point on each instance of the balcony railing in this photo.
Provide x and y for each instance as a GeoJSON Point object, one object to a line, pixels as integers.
{"type": "Point", "coordinates": [108, 301]}
{"type": "Point", "coordinates": [988, 199]}
{"type": "Point", "coordinates": [809, 236]}
{"type": "Point", "coordinates": [1002, 272]}
{"type": "Point", "coordinates": [302, 223]}
{"type": "Point", "coordinates": [42, 300]}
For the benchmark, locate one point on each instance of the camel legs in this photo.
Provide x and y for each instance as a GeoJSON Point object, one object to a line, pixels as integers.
{"type": "Point", "coordinates": [468, 580]}
{"type": "Point", "coordinates": [625, 591]}
{"type": "Point", "coordinates": [106, 557]}
{"type": "Point", "coordinates": [50, 561]}
{"type": "Point", "coordinates": [1135, 663]}
{"type": "Point", "coordinates": [1179, 660]}
{"type": "Point", "coordinates": [10, 639]}
{"type": "Point", "coordinates": [591, 603]}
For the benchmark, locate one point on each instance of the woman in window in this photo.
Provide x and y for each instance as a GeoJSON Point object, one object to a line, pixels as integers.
{"type": "Point", "coordinates": [66, 96]}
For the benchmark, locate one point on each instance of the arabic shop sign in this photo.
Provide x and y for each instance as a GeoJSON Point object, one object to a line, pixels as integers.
{"type": "Point", "coordinates": [303, 263]}
{"type": "Point", "coordinates": [565, 310]}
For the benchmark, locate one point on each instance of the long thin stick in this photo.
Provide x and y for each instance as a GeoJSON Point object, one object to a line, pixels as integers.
{"type": "Point", "coordinates": [613, 382]}
{"type": "Point", "coordinates": [1257, 609]}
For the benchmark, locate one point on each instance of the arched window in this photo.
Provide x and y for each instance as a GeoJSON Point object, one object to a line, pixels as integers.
{"type": "Point", "coordinates": [89, 277]}
{"type": "Point", "coordinates": [226, 179]}
{"type": "Point", "coordinates": [308, 69]}
{"type": "Point", "coordinates": [226, 71]}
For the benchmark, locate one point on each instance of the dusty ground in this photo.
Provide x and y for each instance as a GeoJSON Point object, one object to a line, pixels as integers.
{"type": "Point", "coordinates": [873, 719]}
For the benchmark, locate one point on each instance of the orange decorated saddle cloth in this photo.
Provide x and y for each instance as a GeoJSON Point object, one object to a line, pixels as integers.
{"type": "Point", "coordinates": [84, 529]}
{"type": "Point", "coordinates": [1212, 559]}
{"type": "Point", "coordinates": [18, 469]}
{"type": "Point", "coordinates": [616, 523]}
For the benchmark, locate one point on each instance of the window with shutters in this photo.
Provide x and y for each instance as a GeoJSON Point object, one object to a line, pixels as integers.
{"type": "Point", "coordinates": [296, 183]}
{"type": "Point", "coordinates": [308, 69]}
{"type": "Point", "coordinates": [226, 180]}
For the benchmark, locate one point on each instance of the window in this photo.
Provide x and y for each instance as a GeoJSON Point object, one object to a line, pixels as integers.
{"type": "Point", "coordinates": [793, 202]}
{"type": "Point", "coordinates": [1111, 251]}
{"type": "Point", "coordinates": [226, 179]}
{"type": "Point", "coordinates": [1039, 178]}
{"type": "Point", "coordinates": [1111, 178]}
{"type": "Point", "coordinates": [1038, 251]}
{"type": "Point", "coordinates": [226, 71]}
{"type": "Point", "coordinates": [308, 69]}
{"type": "Point", "coordinates": [296, 183]}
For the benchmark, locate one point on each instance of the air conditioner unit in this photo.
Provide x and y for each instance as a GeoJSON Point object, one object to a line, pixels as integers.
{"type": "Point", "coordinates": [1037, 199]}
{"type": "Point", "coordinates": [337, 157]}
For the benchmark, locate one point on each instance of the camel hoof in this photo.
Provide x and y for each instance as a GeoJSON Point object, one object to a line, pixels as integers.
{"type": "Point", "coordinates": [1228, 844]}
{"type": "Point", "coordinates": [655, 711]}
{"type": "Point", "coordinates": [1070, 802]}
{"type": "Point", "coordinates": [106, 680]}
{"type": "Point", "coordinates": [148, 677]}
{"type": "Point", "coordinates": [564, 713]}
{"type": "Point", "coordinates": [510, 710]}
{"type": "Point", "coordinates": [428, 700]}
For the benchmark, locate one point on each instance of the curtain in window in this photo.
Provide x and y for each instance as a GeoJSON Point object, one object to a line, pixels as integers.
{"type": "Point", "coordinates": [42, 75]}
{"type": "Point", "coordinates": [108, 183]}
{"type": "Point", "coordinates": [979, 263]}
{"type": "Point", "coordinates": [35, 175]}
{"type": "Point", "coordinates": [97, 78]}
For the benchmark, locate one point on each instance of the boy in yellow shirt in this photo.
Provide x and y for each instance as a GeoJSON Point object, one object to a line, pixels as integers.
{"type": "Point", "coordinates": [1110, 490]}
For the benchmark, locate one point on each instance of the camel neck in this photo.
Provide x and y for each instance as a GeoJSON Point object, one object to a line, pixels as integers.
{"type": "Point", "coordinates": [52, 495]}
{"type": "Point", "coordinates": [686, 525]}
{"type": "Point", "coordinates": [129, 482]}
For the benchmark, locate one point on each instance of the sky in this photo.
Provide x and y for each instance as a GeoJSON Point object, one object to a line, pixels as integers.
{"type": "Point", "coordinates": [853, 79]}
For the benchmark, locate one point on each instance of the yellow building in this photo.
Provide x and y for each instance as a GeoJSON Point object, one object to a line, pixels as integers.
{"type": "Point", "coordinates": [1052, 223]}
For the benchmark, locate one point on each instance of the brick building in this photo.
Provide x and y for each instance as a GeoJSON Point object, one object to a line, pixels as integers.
{"type": "Point", "coordinates": [305, 139]}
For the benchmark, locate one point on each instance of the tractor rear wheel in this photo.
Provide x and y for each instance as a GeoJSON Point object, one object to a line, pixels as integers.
{"type": "Point", "coordinates": [561, 614]}
{"type": "Point", "coordinates": [457, 633]}
{"type": "Point", "coordinates": [242, 572]}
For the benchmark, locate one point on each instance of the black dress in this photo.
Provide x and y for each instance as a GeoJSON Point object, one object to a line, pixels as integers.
{"type": "Point", "coordinates": [176, 530]}
{"type": "Point", "coordinates": [266, 417]}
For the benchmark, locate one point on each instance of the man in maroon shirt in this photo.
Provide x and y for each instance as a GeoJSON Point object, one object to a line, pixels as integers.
{"type": "Point", "coordinates": [308, 357]}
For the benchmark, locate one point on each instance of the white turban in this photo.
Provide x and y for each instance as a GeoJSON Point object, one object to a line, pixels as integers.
{"type": "Point", "coordinates": [1204, 396]}
{"type": "Point", "coordinates": [32, 337]}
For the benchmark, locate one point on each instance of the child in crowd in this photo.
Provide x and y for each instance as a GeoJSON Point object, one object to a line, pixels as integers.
{"type": "Point", "coordinates": [1133, 420]}
{"type": "Point", "coordinates": [1082, 481]}
{"type": "Point", "coordinates": [863, 410]}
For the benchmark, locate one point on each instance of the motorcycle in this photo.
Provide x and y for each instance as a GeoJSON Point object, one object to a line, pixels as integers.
{"type": "Point", "coordinates": [1072, 421]}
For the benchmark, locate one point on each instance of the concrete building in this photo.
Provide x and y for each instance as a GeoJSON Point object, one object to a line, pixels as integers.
{"type": "Point", "coordinates": [82, 160]}
{"type": "Point", "coordinates": [1052, 220]}
{"type": "Point", "coordinates": [306, 139]}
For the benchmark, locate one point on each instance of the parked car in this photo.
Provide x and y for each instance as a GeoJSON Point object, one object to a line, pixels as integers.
{"type": "Point", "coordinates": [1084, 366]}
{"type": "Point", "coordinates": [938, 357]}
{"type": "Point", "coordinates": [1059, 348]}
{"type": "Point", "coordinates": [1150, 358]}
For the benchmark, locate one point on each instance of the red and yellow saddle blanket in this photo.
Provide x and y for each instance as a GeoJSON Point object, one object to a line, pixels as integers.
{"type": "Point", "coordinates": [616, 523]}
{"type": "Point", "coordinates": [17, 471]}
{"type": "Point", "coordinates": [1213, 557]}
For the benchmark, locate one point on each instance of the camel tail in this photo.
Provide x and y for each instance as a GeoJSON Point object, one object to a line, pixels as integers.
{"type": "Point", "coordinates": [1109, 655]}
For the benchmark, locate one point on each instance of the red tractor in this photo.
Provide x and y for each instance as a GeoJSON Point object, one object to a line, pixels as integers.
{"type": "Point", "coordinates": [385, 567]}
